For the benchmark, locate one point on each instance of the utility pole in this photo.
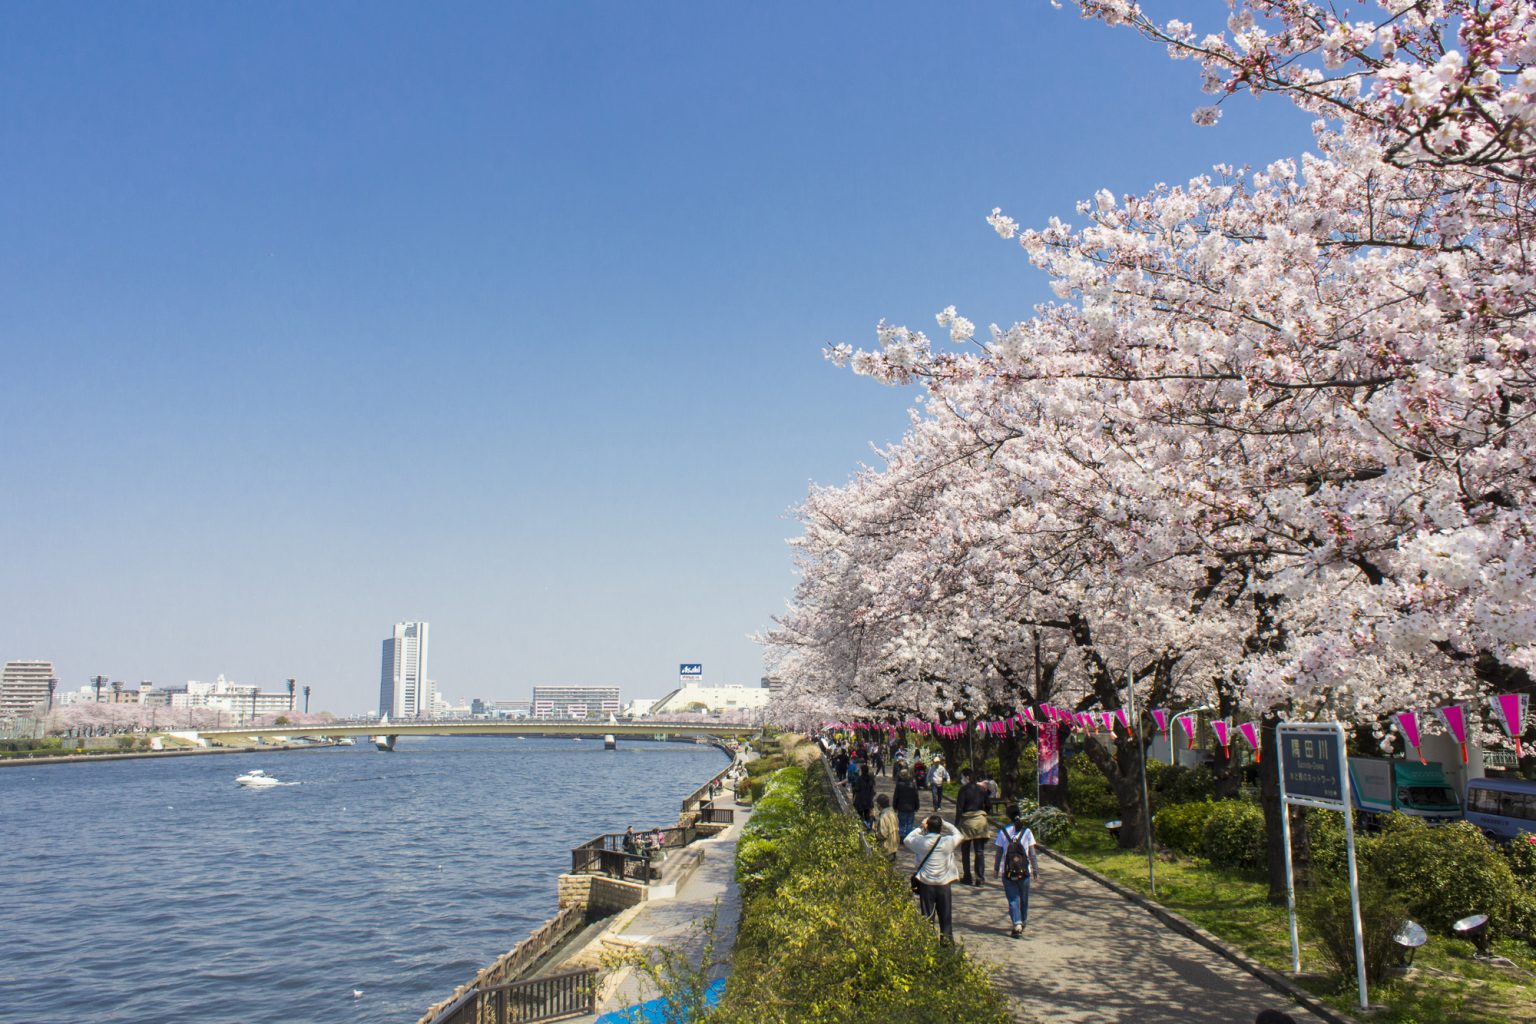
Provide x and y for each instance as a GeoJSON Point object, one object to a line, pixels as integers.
{"type": "Point", "coordinates": [306, 700]}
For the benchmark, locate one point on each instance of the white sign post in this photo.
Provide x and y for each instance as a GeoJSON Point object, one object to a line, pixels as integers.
{"type": "Point", "coordinates": [1314, 772]}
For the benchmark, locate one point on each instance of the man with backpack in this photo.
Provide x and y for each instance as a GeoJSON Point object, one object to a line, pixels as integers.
{"type": "Point", "coordinates": [1016, 863]}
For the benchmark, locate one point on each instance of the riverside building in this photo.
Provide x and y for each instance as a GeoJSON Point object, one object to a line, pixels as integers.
{"type": "Point", "coordinates": [575, 701]}
{"type": "Point", "coordinates": [405, 691]}
{"type": "Point", "coordinates": [24, 687]}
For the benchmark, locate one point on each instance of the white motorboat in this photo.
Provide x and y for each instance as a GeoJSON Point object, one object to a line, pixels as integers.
{"type": "Point", "coordinates": [256, 779]}
{"type": "Point", "coordinates": [346, 741]}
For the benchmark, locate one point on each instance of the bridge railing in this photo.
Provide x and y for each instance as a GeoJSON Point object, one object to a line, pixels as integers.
{"type": "Point", "coordinates": [532, 1001]}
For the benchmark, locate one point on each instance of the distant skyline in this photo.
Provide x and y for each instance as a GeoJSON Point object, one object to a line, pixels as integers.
{"type": "Point", "coordinates": [571, 265]}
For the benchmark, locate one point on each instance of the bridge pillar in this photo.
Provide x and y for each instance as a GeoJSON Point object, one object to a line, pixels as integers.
{"type": "Point", "coordinates": [385, 743]}
{"type": "Point", "coordinates": [610, 742]}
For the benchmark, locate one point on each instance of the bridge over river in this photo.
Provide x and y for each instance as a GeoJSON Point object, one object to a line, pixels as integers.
{"type": "Point", "coordinates": [385, 733]}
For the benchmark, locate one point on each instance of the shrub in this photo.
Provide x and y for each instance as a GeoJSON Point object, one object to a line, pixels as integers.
{"type": "Point", "coordinates": [835, 938]}
{"type": "Point", "coordinates": [1047, 823]}
{"type": "Point", "coordinates": [1088, 790]}
{"type": "Point", "coordinates": [1328, 914]}
{"type": "Point", "coordinates": [1443, 873]}
{"type": "Point", "coordinates": [1181, 827]}
{"type": "Point", "coordinates": [1179, 785]}
{"type": "Point", "coordinates": [1233, 836]}
{"type": "Point", "coordinates": [1520, 852]}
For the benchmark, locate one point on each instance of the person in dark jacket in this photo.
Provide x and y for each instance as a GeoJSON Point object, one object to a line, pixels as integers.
{"type": "Point", "coordinates": [864, 798]}
{"type": "Point", "coordinates": [904, 801]}
{"type": "Point", "coordinates": [971, 820]}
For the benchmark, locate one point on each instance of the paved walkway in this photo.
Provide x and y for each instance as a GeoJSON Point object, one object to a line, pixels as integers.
{"type": "Point", "coordinates": [1090, 956]}
{"type": "Point", "coordinates": [675, 921]}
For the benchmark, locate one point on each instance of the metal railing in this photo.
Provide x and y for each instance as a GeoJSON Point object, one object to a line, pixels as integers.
{"type": "Point", "coordinates": [533, 1001]}
{"type": "Point", "coordinates": [606, 855]}
{"type": "Point", "coordinates": [709, 814]}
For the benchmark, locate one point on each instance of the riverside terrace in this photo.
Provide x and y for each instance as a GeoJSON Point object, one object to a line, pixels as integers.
{"type": "Point", "coordinates": [385, 733]}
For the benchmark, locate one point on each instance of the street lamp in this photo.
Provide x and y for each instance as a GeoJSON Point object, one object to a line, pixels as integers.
{"type": "Point", "coordinates": [1173, 751]}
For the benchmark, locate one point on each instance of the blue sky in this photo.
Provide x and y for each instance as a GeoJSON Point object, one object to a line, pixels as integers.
{"type": "Point", "coordinates": [508, 317]}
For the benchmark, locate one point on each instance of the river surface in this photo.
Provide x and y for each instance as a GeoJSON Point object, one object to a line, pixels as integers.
{"type": "Point", "coordinates": [159, 891]}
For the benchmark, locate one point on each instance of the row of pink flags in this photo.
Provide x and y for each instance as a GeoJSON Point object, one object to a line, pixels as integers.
{"type": "Point", "coordinates": [1509, 710]}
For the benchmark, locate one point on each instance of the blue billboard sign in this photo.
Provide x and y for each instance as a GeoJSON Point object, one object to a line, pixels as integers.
{"type": "Point", "coordinates": [691, 671]}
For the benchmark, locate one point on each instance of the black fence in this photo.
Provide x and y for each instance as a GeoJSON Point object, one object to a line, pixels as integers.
{"type": "Point", "coordinates": [610, 855]}
{"type": "Point", "coordinates": [534, 1001]}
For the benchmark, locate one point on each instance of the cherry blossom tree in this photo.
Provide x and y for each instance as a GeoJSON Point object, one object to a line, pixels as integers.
{"type": "Point", "coordinates": [1272, 445]}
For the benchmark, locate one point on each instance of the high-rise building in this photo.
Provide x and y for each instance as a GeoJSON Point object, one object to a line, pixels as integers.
{"type": "Point", "coordinates": [405, 691]}
{"type": "Point", "coordinates": [575, 701]}
{"type": "Point", "coordinates": [24, 687]}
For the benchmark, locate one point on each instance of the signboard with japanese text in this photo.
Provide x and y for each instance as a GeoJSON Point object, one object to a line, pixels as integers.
{"type": "Point", "coordinates": [1312, 766]}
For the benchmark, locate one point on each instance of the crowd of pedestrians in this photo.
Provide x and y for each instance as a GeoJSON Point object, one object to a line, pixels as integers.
{"type": "Point", "coordinates": [944, 852]}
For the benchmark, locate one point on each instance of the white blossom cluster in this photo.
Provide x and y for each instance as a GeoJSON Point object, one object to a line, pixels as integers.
{"type": "Point", "coordinates": [1275, 446]}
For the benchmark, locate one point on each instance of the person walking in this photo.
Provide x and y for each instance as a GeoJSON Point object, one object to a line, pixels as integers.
{"type": "Point", "coordinates": [855, 769]}
{"type": "Point", "coordinates": [864, 797]}
{"type": "Point", "coordinates": [887, 827]}
{"type": "Point", "coordinates": [1016, 863]}
{"type": "Point", "coordinates": [971, 820]}
{"type": "Point", "coordinates": [920, 773]}
{"type": "Point", "coordinates": [934, 847]}
{"type": "Point", "coordinates": [877, 755]}
{"type": "Point", "coordinates": [905, 801]}
{"type": "Point", "coordinates": [937, 776]}
{"type": "Point", "coordinates": [840, 763]}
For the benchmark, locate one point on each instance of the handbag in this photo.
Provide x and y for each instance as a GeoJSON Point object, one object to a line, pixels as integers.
{"type": "Point", "coordinates": [917, 887]}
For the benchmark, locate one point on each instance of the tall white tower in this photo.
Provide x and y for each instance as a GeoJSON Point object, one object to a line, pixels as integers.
{"type": "Point", "coordinates": [404, 691]}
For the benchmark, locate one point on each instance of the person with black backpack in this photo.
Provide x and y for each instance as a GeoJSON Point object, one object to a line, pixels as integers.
{"type": "Point", "coordinates": [1016, 863]}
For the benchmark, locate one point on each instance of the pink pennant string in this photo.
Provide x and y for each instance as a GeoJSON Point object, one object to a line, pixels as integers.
{"type": "Point", "coordinates": [1160, 716]}
{"type": "Point", "coordinates": [1223, 729]}
{"type": "Point", "coordinates": [1250, 731]}
{"type": "Point", "coordinates": [1455, 719]}
{"type": "Point", "coordinates": [1188, 722]}
{"type": "Point", "coordinates": [1510, 709]}
{"type": "Point", "coordinates": [1408, 722]}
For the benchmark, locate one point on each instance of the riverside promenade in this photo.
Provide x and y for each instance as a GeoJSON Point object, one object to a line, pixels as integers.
{"type": "Point", "coordinates": [673, 917]}
{"type": "Point", "coordinates": [1089, 955]}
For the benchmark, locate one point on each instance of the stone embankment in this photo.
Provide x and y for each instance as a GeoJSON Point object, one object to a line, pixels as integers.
{"type": "Point", "coordinates": [596, 907]}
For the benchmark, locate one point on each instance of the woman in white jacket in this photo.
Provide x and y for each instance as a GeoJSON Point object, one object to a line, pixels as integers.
{"type": "Point", "coordinates": [934, 847]}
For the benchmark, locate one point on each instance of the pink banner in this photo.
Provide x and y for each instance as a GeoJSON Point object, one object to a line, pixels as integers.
{"type": "Point", "coordinates": [1510, 709]}
{"type": "Point", "coordinates": [1250, 731]}
{"type": "Point", "coordinates": [1222, 727]}
{"type": "Point", "coordinates": [1188, 722]}
{"type": "Point", "coordinates": [1125, 721]}
{"type": "Point", "coordinates": [1455, 719]}
{"type": "Point", "coordinates": [1160, 716]}
{"type": "Point", "coordinates": [1108, 718]}
{"type": "Point", "coordinates": [1408, 722]}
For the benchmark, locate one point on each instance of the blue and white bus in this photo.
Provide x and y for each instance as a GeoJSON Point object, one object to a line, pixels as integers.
{"type": "Point", "coordinates": [1502, 808]}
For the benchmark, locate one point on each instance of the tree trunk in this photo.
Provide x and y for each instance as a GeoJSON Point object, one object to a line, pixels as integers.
{"type": "Point", "coordinates": [1269, 797]}
{"type": "Point", "coordinates": [1008, 765]}
{"type": "Point", "coordinates": [1123, 771]}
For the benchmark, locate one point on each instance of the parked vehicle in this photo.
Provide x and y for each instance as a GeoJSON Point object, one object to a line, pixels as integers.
{"type": "Point", "coordinates": [1418, 790]}
{"type": "Point", "coordinates": [1502, 808]}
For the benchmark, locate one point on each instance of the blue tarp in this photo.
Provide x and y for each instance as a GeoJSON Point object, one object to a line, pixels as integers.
{"type": "Point", "coordinates": [654, 1011]}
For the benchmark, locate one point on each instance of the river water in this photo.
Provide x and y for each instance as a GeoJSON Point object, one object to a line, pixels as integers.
{"type": "Point", "coordinates": [159, 891]}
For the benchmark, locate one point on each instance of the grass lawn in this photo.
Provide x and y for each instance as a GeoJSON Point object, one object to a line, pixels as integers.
{"type": "Point", "coordinates": [1446, 987]}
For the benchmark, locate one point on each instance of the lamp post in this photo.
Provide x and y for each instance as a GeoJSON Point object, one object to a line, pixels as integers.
{"type": "Point", "coordinates": [1173, 751]}
{"type": "Point", "coordinates": [1141, 756]}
